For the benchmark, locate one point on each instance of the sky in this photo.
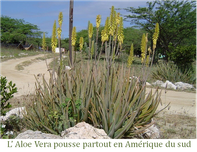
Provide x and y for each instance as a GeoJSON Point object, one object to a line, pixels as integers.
{"type": "Point", "coordinates": [44, 13]}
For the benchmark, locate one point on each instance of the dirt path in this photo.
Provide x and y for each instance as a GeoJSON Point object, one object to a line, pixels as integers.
{"type": "Point", "coordinates": [180, 102]}
{"type": "Point", "coordinates": [24, 79]}
{"type": "Point", "coordinates": [183, 103]}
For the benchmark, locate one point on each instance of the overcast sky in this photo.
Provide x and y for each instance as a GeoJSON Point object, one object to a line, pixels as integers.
{"type": "Point", "coordinates": [43, 13]}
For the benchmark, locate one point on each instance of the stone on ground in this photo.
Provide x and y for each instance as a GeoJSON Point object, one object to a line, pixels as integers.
{"type": "Point", "coordinates": [29, 134]}
{"type": "Point", "coordinates": [17, 112]}
{"type": "Point", "coordinates": [84, 131]}
{"type": "Point", "coordinates": [183, 86]}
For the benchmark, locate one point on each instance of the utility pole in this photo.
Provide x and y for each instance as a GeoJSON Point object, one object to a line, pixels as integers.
{"type": "Point", "coordinates": [70, 31]}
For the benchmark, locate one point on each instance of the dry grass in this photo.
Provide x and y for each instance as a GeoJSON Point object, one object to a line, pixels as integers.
{"type": "Point", "coordinates": [176, 126]}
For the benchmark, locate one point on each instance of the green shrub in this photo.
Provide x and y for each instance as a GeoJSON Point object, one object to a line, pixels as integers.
{"type": "Point", "coordinates": [170, 71]}
{"type": "Point", "coordinates": [7, 91]}
{"type": "Point", "coordinates": [183, 57]}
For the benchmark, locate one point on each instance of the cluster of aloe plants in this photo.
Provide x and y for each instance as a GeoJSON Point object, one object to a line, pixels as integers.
{"type": "Point", "coordinates": [103, 95]}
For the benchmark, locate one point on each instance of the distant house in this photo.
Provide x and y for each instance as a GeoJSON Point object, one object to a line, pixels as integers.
{"type": "Point", "coordinates": [25, 47]}
{"type": "Point", "coordinates": [57, 50]}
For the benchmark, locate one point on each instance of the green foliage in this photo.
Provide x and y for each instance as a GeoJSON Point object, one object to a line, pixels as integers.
{"type": "Point", "coordinates": [170, 71]}
{"type": "Point", "coordinates": [183, 56]}
{"type": "Point", "coordinates": [11, 127]}
{"type": "Point", "coordinates": [7, 91]}
{"type": "Point", "coordinates": [132, 35]}
{"type": "Point", "coordinates": [17, 30]}
{"type": "Point", "coordinates": [106, 99]}
{"type": "Point", "coordinates": [177, 20]}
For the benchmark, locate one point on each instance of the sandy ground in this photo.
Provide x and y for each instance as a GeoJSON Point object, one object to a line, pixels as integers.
{"type": "Point", "coordinates": [183, 103]}
{"type": "Point", "coordinates": [24, 79]}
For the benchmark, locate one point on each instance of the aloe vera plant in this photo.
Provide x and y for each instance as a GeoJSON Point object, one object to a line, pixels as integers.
{"type": "Point", "coordinates": [112, 102]}
{"type": "Point", "coordinates": [102, 95]}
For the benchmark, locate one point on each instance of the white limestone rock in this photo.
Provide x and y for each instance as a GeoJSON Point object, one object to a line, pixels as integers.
{"type": "Point", "coordinates": [157, 83]}
{"type": "Point", "coordinates": [29, 134]}
{"type": "Point", "coordinates": [169, 85]}
{"type": "Point", "coordinates": [67, 68]}
{"type": "Point", "coordinates": [152, 132]}
{"type": "Point", "coordinates": [184, 86]}
{"type": "Point", "coordinates": [17, 112]}
{"type": "Point", "coordinates": [84, 130]}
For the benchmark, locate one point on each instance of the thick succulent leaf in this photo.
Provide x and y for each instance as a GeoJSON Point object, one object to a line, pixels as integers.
{"type": "Point", "coordinates": [120, 132]}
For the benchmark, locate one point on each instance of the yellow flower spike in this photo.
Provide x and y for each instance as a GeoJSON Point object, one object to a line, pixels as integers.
{"type": "Point", "coordinates": [112, 20]}
{"type": "Point", "coordinates": [104, 32]}
{"type": "Point", "coordinates": [143, 48]}
{"type": "Point", "coordinates": [130, 58]}
{"type": "Point", "coordinates": [155, 35]}
{"type": "Point", "coordinates": [81, 42]}
{"type": "Point", "coordinates": [60, 19]}
{"type": "Point", "coordinates": [73, 36]}
{"type": "Point", "coordinates": [54, 39]}
{"type": "Point", "coordinates": [146, 38]}
{"type": "Point", "coordinates": [90, 30]}
{"type": "Point", "coordinates": [43, 42]}
{"type": "Point", "coordinates": [59, 31]}
{"type": "Point", "coordinates": [120, 32]}
{"type": "Point", "coordinates": [98, 21]}
{"type": "Point", "coordinates": [118, 19]}
{"type": "Point", "coordinates": [149, 50]}
{"type": "Point", "coordinates": [147, 60]}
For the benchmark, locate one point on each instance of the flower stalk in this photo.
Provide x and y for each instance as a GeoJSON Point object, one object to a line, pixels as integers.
{"type": "Point", "coordinates": [73, 41]}
{"type": "Point", "coordinates": [43, 42]}
{"type": "Point", "coordinates": [131, 57]}
{"type": "Point", "coordinates": [54, 39]}
{"type": "Point", "coordinates": [90, 33]}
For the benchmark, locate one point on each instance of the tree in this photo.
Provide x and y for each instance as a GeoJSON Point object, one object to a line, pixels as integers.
{"type": "Point", "coordinates": [17, 30]}
{"type": "Point", "coordinates": [70, 30]}
{"type": "Point", "coordinates": [177, 21]}
{"type": "Point", "coordinates": [132, 35]}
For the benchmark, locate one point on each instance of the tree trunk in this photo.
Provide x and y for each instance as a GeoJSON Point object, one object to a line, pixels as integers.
{"type": "Point", "coordinates": [70, 31]}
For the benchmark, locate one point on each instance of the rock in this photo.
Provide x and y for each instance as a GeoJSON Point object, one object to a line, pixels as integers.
{"type": "Point", "coordinates": [84, 131]}
{"type": "Point", "coordinates": [22, 54]}
{"type": "Point", "coordinates": [64, 56]}
{"type": "Point", "coordinates": [152, 132]}
{"type": "Point", "coordinates": [67, 68]}
{"type": "Point", "coordinates": [29, 134]}
{"type": "Point", "coordinates": [79, 131]}
{"type": "Point", "coordinates": [148, 84]}
{"type": "Point", "coordinates": [17, 112]}
{"type": "Point", "coordinates": [9, 133]}
{"type": "Point", "coordinates": [157, 83]}
{"type": "Point", "coordinates": [183, 86]}
{"type": "Point", "coordinates": [11, 56]}
{"type": "Point", "coordinates": [134, 77]}
{"type": "Point", "coordinates": [2, 57]}
{"type": "Point", "coordinates": [169, 85]}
